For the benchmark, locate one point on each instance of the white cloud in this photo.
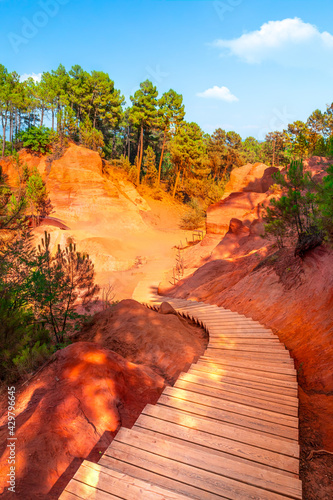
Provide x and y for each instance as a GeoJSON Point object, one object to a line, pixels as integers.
{"type": "Point", "coordinates": [36, 76]}
{"type": "Point", "coordinates": [290, 42]}
{"type": "Point", "coordinates": [221, 93]}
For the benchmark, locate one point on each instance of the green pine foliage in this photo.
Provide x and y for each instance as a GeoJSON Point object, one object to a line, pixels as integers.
{"type": "Point", "coordinates": [325, 204]}
{"type": "Point", "coordinates": [37, 139]}
{"type": "Point", "coordinates": [57, 282]}
{"type": "Point", "coordinates": [91, 137]}
{"type": "Point", "coordinates": [36, 195]}
{"type": "Point", "coordinates": [303, 214]}
{"type": "Point", "coordinates": [149, 163]}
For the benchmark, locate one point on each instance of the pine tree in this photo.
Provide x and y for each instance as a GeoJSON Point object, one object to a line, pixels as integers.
{"type": "Point", "coordinates": [188, 151]}
{"type": "Point", "coordinates": [143, 115]}
{"type": "Point", "coordinates": [150, 167]}
{"type": "Point", "coordinates": [37, 196]}
{"type": "Point", "coordinates": [171, 113]}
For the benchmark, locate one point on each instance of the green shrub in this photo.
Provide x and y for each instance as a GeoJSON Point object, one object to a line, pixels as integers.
{"type": "Point", "coordinates": [207, 190]}
{"type": "Point", "coordinates": [194, 217]}
{"type": "Point", "coordinates": [37, 139]}
{"type": "Point", "coordinates": [295, 213]}
{"type": "Point", "coordinates": [325, 204]}
{"type": "Point", "coordinates": [90, 137]}
{"type": "Point", "coordinates": [31, 358]}
{"type": "Point", "coordinates": [23, 343]}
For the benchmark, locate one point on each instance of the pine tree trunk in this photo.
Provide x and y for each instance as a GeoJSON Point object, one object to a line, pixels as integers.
{"type": "Point", "coordinates": [42, 117]}
{"type": "Point", "coordinates": [4, 126]}
{"type": "Point", "coordinates": [140, 155]}
{"type": "Point", "coordinates": [129, 144]}
{"type": "Point", "coordinates": [113, 145]}
{"type": "Point", "coordinates": [53, 119]}
{"type": "Point", "coordinates": [11, 127]}
{"type": "Point", "coordinates": [176, 184]}
{"type": "Point", "coordinates": [161, 159]}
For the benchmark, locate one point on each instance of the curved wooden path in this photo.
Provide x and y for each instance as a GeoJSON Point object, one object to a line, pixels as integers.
{"type": "Point", "coordinates": [227, 429]}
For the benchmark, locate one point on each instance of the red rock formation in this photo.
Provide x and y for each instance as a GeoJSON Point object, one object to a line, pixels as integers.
{"type": "Point", "coordinates": [79, 193]}
{"type": "Point", "coordinates": [246, 190]}
{"type": "Point", "coordinates": [243, 206]}
{"type": "Point", "coordinates": [255, 178]}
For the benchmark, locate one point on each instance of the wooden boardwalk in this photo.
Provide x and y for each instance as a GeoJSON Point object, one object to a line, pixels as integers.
{"type": "Point", "coordinates": [227, 429]}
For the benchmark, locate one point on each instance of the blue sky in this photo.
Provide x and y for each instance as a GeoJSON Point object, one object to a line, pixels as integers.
{"type": "Point", "coordinates": [244, 65]}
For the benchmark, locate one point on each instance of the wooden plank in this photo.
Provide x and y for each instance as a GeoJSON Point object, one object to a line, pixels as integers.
{"type": "Point", "coordinates": [232, 406]}
{"type": "Point", "coordinates": [203, 462]}
{"type": "Point", "coordinates": [239, 333]}
{"type": "Point", "coordinates": [229, 417]}
{"type": "Point", "coordinates": [244, 341]}
{"type": "Point", "coordinates": [85, 492]}
{"type": "Point", "coordinates": [167, 475]}
{"type": "Point", "coordinates": [233, 345]}
{"type": "Point", "coordinates": [286, 370]}
{"type": "Point", "coordinates": [240, 390]}
{"type": "Point", "coordinates": [209, 320]}
{"type": "Point", "coordinates": [217, 313]}
{"type": "Point", "coordinates": [273, 359]}
{"type": "Point", "coordinates": [217, 317]}
{"type": "Point", "coordinates": [220, 327]}
{"type": "Point", "coordinates": [257, 353]}
{"type": "Point", "coordinates": [229, 377]}
{"type": "Point", "coordinates": [231, 334]}
{"type": "Point", "coordinates": [238, 327]}
{"type": "Point", "coordinates": [122, 485]}
{"type": "Point", "coordinates": [256, 375]}
{"type": "Point", "coordinates": [229, 431]}
{"type": "Point", "coordinates": [66, 495]}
